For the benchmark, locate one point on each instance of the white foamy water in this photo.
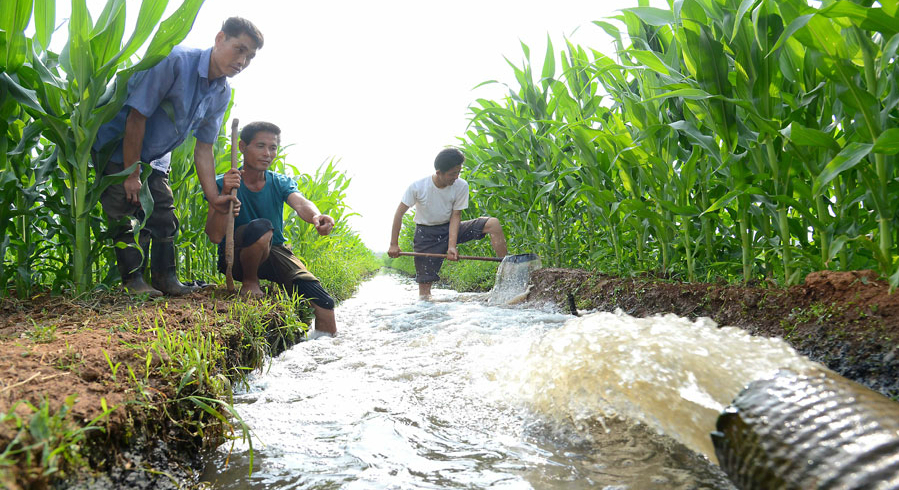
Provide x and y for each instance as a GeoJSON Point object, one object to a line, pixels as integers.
{"type": "Point", "coordinates": [455, 393]}
{"type": "Point", "coordinates": [671, 373]}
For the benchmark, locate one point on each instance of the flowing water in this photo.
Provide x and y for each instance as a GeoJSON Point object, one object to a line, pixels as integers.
{"type": "Point", "coordinates": [456, 393]}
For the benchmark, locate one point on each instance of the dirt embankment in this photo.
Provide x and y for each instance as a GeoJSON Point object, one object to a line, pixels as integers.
{"type": "Point", "coordinates": [135, 370]}
{"type": "Point", "coordinates": [847, 321]}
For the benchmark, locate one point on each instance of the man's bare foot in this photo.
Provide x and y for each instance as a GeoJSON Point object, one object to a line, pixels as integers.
{"type": "Point", "coordinates": [251, 291]}
{"type": "Point", "coordinates": [317, 334]}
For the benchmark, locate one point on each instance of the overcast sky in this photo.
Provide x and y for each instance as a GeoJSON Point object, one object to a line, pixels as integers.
{"type": "Point", "coordinates": [384, 85]}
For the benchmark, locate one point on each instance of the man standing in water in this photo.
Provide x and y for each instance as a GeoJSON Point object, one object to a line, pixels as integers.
{"type": "Point", "coordinates": [439, 200]}
{"type": "Point", "coordinates": [186, 92]}
{"type": "Point", "coordinates": [259, 250]}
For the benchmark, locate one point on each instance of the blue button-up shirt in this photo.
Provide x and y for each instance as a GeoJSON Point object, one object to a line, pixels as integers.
{"type": "Point", "coordinates": [177, 98]}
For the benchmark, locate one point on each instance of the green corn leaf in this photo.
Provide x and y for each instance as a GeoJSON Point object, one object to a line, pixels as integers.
{"type": "Point", "coordinates": [22, 95]}
{"type": "Point", "coordinates": [612, 31]}
{"type": "Point", "coordinates": [549, 64]}
{"type": "Point", "coordinates": [44, 21]}
{"type": "Point", "coordinates": [803, 136]}
{"type": "Point", "coordinates": [680, 210]}
{"type": "Point", "coordinates": [826, 38]}
{"type": "Point", "coordinates": [745, 5]}
{"type": "Point", "coordinates": [650, 60]}
{"type": "Point", "coordinates": [726, 199]}
{"type": "Point", "coordinates": [79, 45]}
{"type": "Point", "coordinates": [888, 142]}
{"type": "Point", "coordinates": [885, 262]}
{"type": "Point", "coordinates": [795, 25]}
{"type": "Point", "coordinates": [106, 36]}
{"type": "Point", "coordinates": [147, 19]}
{"type": "Point", "coordinates": [868, 18]}
{"type": "Point", "coordinates": [891, 7]}
{"type": "Point", "coordinates": [711, 73]}
{"type": "Point", "coordinates": [14, 18]}
{"type": "Point", "coordinates": [889, 53]}
{"type": "Point", "coordinates": [684, 93]}
{"type": "Point", "coordinates": [705, 141]}
{"type": "Point", "coordinates": [652, 16]}
{"type": "Point", "coordinates": [851, 155]}
{"type": "Point", "coordinates": [171, 31]}
{"type": "Point", "coordinates": [836, 245]}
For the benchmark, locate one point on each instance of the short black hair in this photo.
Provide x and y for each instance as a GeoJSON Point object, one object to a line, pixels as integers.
{"type": "Point", "coordinates": [448, 158]}
{"type": "Point", "coordinates": [235, 26]}
{"type": "Point", "coordinates": [250, 130]}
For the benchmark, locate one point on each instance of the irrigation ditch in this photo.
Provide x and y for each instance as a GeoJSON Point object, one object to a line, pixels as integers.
{"type": "Point", "coordinates": [115, 392]}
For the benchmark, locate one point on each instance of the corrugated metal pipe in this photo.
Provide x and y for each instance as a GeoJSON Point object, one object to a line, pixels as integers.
{"type": "Point", "coordinates": [820, 432]}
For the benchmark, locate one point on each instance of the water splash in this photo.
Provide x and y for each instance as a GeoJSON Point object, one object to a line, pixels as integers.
{"type": "Point", "coordinates": [455, 393]}
{"type": "Point", "coordinates": [670, 373]}
{"type": "Point", "coordinates": [512, 277]}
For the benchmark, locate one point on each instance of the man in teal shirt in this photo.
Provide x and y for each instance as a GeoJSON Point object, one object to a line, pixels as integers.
{"type": "Point", "coordinates": [259, 244]}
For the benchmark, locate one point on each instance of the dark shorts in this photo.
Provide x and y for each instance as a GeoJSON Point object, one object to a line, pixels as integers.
{"type": "Point", "coordinates": [162, 222]}
{"type": "Point", "coordinates": [281, 267]}
{"type": "Point", "coordinates": [435, 239]}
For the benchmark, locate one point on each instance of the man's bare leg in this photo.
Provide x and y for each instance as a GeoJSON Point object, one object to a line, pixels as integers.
{"type": "Point", "coordinates": [250, 259]}
{"type": "Point", "coordinates": [497, 239]}
{"type": "Point", "coordinates": [424, 291]}
{"type": "Point", "coordinates": [324, 320]}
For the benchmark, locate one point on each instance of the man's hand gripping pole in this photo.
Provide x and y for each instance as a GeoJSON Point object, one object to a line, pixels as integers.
{"type": "Point", "coordinates": [229, 227]}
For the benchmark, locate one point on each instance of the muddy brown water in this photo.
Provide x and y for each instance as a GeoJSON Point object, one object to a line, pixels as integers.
{"type": "Point", "coordinates": [458, 393]}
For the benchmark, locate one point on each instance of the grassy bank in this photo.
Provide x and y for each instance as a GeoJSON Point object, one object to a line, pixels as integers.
{"type": "Point", "coordinates": [97, 388]}
{"type": "Point", "coordinates": [87, 380]}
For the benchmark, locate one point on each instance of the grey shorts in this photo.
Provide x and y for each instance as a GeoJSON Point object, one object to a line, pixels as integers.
{"type": "Point", "coordinates": [435, 239]}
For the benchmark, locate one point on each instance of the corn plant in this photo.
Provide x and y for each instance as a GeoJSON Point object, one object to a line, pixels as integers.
{"type": "Point", "coordinates": [753, 136]}
{"type": "Point", "coordinates": [73, 93]}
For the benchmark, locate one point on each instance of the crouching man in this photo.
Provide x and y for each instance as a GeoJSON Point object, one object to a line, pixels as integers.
{"type": "Point", "coordinates": [259, 249]}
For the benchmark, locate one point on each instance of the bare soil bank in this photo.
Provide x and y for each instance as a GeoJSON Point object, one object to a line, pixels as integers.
{"type": "Point", "coordinates": [55, 348]}
{"type": "Point", "coordinates": [847, 321]}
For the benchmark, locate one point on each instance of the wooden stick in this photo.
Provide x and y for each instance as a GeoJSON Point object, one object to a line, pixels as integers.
{"type": "Point", "coordinates": [229, 226]}
{"type": "Point", "coordinates": [443, 256]}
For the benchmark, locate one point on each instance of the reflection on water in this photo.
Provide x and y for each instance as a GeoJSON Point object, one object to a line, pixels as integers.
{"type": "Point", "coordinates": [453, 393]}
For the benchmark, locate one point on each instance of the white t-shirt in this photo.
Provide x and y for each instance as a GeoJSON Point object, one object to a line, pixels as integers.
{"type": "Point", "coordinates": [434, 206]}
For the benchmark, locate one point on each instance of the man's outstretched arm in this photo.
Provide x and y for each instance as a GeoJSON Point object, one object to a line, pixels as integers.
{"type": "Point", "coordinates": [308, 212]}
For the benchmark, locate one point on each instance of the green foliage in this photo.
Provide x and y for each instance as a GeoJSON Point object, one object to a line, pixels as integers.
{"type": "Point", "coordinates": [60, 101]}
{"type": "Point", "coordinates": [201, 368]}
{"type": "Point", "coordinates": [46, 444]}
{"type": "Point", "coordinates": [51, 106]}
{"type": "Point", "coordinates": [729, 139]}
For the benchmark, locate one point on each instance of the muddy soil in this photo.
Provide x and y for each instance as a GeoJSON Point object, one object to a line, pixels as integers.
{"type": "Point", "coordinates": [54, 348]}
{"type": "Point", "coordinates": [848, 321]}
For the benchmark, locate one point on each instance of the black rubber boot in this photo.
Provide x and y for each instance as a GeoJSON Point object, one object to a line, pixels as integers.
{"type": "Point", "coordinates": [131, 265]}
{"type": "Point", "coordinates": [163, 275]}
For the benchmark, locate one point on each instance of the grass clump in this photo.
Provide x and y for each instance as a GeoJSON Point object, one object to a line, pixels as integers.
{"type": "Point", "coordinates": [47, 443]}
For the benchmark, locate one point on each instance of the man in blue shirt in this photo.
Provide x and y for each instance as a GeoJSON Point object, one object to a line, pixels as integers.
{"type": "Point", "coordinates": [259, 250]}
{"type": "Point", "coordinates": [185, 93]}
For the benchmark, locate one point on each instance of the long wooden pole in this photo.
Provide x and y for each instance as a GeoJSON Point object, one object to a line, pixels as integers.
{"type": "Point", "coordinates": [443, 256]}
{"type": "Point", "coordinates": [229, 227]}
